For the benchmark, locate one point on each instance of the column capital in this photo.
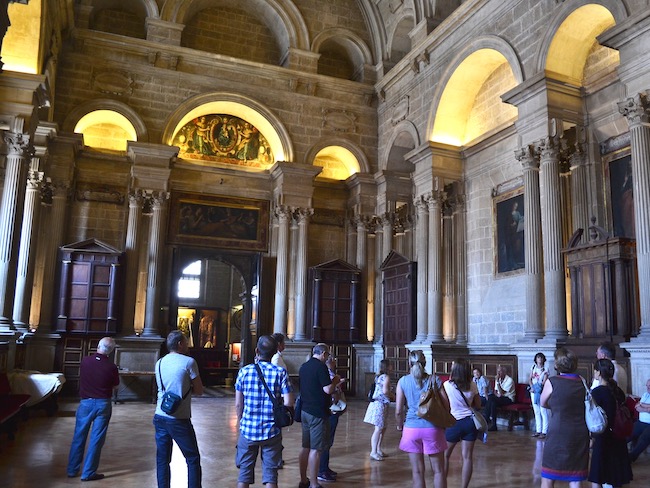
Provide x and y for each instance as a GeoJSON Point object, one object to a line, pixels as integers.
{"type": "Point", "coordinates": [527, 157]}
{"type": "Point", "coordinates": [636, 109]}
{"type": "Point", "coordinates": [387, 219]}
{"type": "Point", "coordinates": [153, 200]}
{"type": "Point", "coordinates": [282, 212]}
{"type": "Point", "coordinates": [17, 143]}
{"type": "Point", "coordinates": [547, 148]}
{"type": "Point", "coordinates": [301, 214]}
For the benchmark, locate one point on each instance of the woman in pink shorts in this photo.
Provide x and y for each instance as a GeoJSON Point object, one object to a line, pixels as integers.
{"type": "Point", "coordinates": [419, 436]}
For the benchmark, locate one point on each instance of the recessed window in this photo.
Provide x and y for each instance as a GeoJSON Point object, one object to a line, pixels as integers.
{"type": "Point", "coordinates": [189, 284]}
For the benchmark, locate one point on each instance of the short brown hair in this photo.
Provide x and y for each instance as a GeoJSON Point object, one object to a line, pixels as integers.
{"type": "Point", "coordinates": [565, 360]}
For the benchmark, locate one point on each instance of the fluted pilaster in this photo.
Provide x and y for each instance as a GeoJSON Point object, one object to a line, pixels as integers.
{"type": "Point", "coordinates": [637, 111]}
{"type": "Point", "coordinates": [554, 289]}
{"type": "Point", "coordinates": [579, 189]}
{"type": "Point", "coordinates": [387, 233]}
{"type": "Point", "coordinates": [434, 289]}
{"type": "Point", "coordinates": [131, 247]}
{"type": "Point", "coordinates": [422, 212]}
{"type": "Point", "coordinates": [459, 222]}
{"type": "Point", "coordinates": [25, 271]}
{"type": "Point", "coordinates": [156, 202]}
{"type": "Point", "coordinates": [282, 214]}
{"type": "Point", "coordinates": [13, 195]}
{"type": "Point", "coordinates": [534, 328]}
{"type": "Point", "coordinates": [448, 295]}
{"type": "Point", "coordinates": [291, 273]}
{"type": "Point", "coordinates": [302, 215]}
{"type": "Point", "coordinates": [379, 298]}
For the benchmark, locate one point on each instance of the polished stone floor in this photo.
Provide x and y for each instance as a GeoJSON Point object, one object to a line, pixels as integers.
{"type": "Point", "coordinates": [38, 456]}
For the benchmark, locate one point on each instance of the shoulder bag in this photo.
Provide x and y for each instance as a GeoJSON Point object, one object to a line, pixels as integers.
{"type": "Point", "coordinates": [479, 421]}
{"type": "Point", "coordinates": [170, 401]}
{"type": "Point", "coordinates": [595, 416]}
{"type": "Point", "coordinates": [281, 413]}
{"type": "Point", "coordinates": [432, 407]}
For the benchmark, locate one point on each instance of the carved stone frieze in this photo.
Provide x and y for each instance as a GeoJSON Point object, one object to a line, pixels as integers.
{"type": "Point", "coordinates": [324, 216]}
{"type": "Point", "coordinates": [100, 193]}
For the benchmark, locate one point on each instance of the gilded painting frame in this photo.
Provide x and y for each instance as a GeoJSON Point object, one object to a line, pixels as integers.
{"type": "Point", "coordinates": [509, 214]}
{"type": "Point", "coordinates": [219, 221]}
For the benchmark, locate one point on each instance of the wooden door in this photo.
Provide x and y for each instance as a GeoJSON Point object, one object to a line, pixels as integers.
{"type": "Point", "coordinates": [398, 277]}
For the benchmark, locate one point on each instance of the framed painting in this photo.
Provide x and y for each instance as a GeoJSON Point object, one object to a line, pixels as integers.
{"type": "Point", "coordinates": [621, 196]}
{"type": "Point", "coordinates": [509, 215]}
{"type": "Point", "coordinates": [216, 221]}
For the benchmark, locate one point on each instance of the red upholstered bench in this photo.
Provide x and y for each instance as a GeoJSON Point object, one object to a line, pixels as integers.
{"type": "Point", "coordinates": [522, 405]}
{"type": "Point", "coordinates": [10, 405]}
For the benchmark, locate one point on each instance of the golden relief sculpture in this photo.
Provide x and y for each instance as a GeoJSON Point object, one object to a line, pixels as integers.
{"type": "Point", "coordinates": [224, 138]}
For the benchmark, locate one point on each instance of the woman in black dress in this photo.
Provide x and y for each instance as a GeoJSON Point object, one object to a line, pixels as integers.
{"type": "Point", "coordinates": [610, 462]}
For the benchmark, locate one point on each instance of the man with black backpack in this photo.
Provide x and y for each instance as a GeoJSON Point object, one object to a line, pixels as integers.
{"type": "Point", "coordinates": [177, 375]}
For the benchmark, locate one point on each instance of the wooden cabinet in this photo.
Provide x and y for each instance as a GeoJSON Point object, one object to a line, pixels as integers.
{"type": "Point", "coordinates": [604, 289]}
{"type": "Point", "coordinates": [335, 291]}
{"type": "Point", "coordinates": [88, 300]}
{"type": "Point", "coordinates": [399, 279]}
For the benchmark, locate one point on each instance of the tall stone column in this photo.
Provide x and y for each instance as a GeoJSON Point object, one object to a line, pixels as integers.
{"type": "Point", "coordinates": [25, 272]}
{"type": "Point", "coordinates": [282, 214]}
{"type": "Point", "coordinates": [156, 201]}
{"type": "Point", "coordinates": [554, 289]}
{"type": "Point", "coordinates": [379, 289]}
{"type": "Point", "coordinates": [434, 289]}
{"type": "Point", "coordinates": [637, 111]}
{"type": "Point", "coordinates": [13, 195]}
{"type": "Point", "coordinates": [302, 214]}
{"type": "Point", "coordinates": [351, 241]}
{"type": "Point", "coordinates": [448, 291]}
{"type": "Point", "coordinates": [422, 212]}
{"type": "Point", "coordinates": [579, 189]}
{"type": "Point", "coordinates": [460, 242]}
{"type": "Point", "coordinates": [56, 199]}
{"type": "Point", "coordinates": [131, 248]}
{"type": "Point", "coordinates": [534, 328]}
{"type": "Point", "coordinates": [361, 224]}
{"type": "Point", "coordinates": [291, 273]}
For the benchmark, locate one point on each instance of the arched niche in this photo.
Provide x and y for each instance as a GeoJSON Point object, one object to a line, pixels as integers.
{"type": "Point", "coordinates": [245, 108]}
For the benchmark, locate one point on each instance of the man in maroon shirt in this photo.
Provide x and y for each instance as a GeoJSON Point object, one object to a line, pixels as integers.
{"type": "Point", "coordinates": [97, 380]}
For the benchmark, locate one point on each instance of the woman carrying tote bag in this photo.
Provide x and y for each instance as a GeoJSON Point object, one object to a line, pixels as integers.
{"type": "Point", "coordinates": [420, 437]}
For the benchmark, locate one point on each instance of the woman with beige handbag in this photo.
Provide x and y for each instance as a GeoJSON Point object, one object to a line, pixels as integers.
{"type": "Point", "coordinates": [420, 437]}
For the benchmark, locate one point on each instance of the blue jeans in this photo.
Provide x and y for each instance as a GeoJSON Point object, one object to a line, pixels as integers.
{"type": "Point", "coordinates": [640, 438]}
{"type": "Point", "coordinates": [182, 432]}
{"type": "Point", "coordinates": [95, 413]}
{"type": "Point", "coordinates": [325, 455]}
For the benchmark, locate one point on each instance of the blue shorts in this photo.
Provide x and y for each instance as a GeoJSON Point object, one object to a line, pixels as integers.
{"type": "Point", "coordinates": [247, 456]}
{"type": "Point", "coordinates": [462, 430]}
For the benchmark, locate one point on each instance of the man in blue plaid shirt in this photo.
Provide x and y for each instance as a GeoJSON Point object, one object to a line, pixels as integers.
{"type": "Point", "coordinates": [257, 429]}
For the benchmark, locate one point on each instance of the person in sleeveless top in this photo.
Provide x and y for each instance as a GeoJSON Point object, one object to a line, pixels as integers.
{"type": "Point", "coordinates": [610, 462]}
{"type": "Point", "coordinates": [566, 450]}
{"type": "Point", "coordinates": [419, 436]}
{"type": "Point", "coordinates": [377, 411]}
{"type": "Point", "coordinates": [463, 394]}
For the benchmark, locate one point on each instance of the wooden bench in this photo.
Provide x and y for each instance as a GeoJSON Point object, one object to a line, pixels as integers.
{"type": "Point", "coordinates": [10, 406]}
{"type": "Point", "coordinates": [520, 408]}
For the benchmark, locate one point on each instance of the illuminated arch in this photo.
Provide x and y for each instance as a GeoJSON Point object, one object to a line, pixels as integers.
{"type": "Point", "coordinates": [243, 107]}
{"type": "Point", "coordinates": [339, 158]}
{"type": "Point", "coordinates": [576, 27]}
{"type": "Point", "coordinates": [105, 112]}
{"type": "Point", "coordinates": [21, 44]}
{"type": "Point", "coordinates": [461, 84]}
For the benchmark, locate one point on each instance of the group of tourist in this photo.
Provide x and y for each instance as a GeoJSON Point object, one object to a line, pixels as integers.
{"type": "Point", "coordinates": [264, 385]}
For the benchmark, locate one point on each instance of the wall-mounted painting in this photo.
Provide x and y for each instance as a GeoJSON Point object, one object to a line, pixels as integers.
{"type": "Point", "coordinates": [221, 222]}
{"type": "Point", "coordinates": [225, 139]}
{"type": "Point", "coordinates": [509, 213]}
{"type": "Point", "coordinates": [619, 172]}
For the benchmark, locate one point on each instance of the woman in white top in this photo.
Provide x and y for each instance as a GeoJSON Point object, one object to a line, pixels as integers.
{"type": "Point", "coordinates": [463, 394]}
{"type": "Point", "coordinates": [377, 411]}
{"type": "Point", "coordinates": [538, 376]}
